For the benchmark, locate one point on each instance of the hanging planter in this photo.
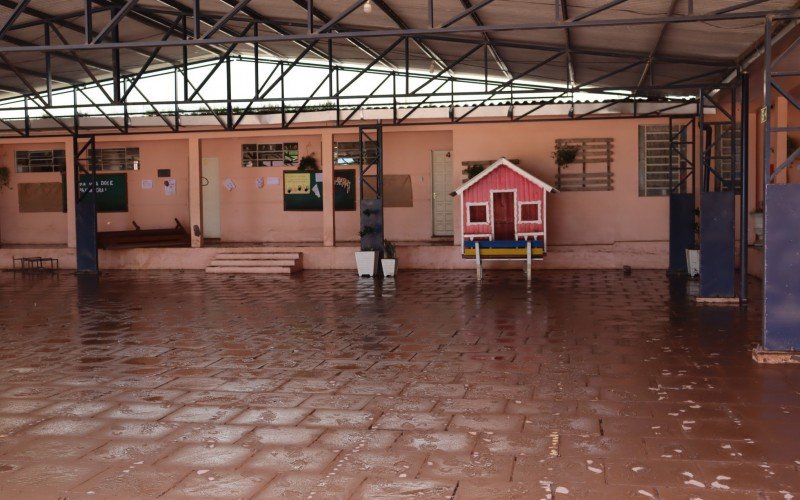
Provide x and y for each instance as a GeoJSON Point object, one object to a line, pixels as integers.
{"type": "Point", "coordinates": [565, 154]}
{"type": "Point", "coordinates": [308, 164]}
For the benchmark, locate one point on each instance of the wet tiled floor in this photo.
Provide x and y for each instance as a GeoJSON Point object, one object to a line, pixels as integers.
{"type": "Point", "coordinates": [585, 384]}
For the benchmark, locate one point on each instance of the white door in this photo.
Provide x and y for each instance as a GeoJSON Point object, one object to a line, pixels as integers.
{"type": "Point", "coordinates": [442, 186]}
{"type": "Point", "coordinates": [210, 180]}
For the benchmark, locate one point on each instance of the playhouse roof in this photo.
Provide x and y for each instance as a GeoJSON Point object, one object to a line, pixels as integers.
{"type": "Point", "coordinates": [506, 163]}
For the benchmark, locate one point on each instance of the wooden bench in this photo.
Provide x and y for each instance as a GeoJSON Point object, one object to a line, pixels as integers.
{"type": "Point", "coordinates": [141, 238]}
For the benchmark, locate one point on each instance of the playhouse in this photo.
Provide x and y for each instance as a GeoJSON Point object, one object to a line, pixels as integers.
{"type": "Point", "coordinates": [504, 214]}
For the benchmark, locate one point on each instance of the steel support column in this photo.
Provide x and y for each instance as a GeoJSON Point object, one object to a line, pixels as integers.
{"type": "Point", "coordinates": [85, 205]}
{"type": "Point", "coordinates": [744, 85]}
{"type": "Point", "coordinates": [682, 195]}
{"type": "Point", "coordinates": [781, 216]}
{"type": "Point", "coordinates": [371, 165]}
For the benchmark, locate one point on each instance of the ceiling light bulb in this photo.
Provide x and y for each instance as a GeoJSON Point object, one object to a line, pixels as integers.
{"type": "Point", "coordinates": [368, 7]}
{"type": "Point", "coordinates": [432, 68]}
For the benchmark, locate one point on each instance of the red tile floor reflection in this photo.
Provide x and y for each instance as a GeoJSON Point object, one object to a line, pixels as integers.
{"type": "Point", "coordinates": [586, 384]}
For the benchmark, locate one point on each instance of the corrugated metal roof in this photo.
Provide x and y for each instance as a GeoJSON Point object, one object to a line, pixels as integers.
{"type": "Point", "coordinates": [682, 50]}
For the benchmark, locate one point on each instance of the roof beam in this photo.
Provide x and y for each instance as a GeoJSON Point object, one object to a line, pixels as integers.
{"type": "Point", "coordinates": [80, 61]}
{"type": "Point", "coordinates": [227, 17]}
{"type": "Point", "coordinates": [416, 32]}
{"type": "Point", "coordinates": [649, 65]}
{"type": "Point", "coordinates": [115, 20]}
{"type": "Point", "coordinates": [58, 21]}
{"type": "Point", "coordinates": [18, 10]}
{"type": "Point", "coordinates": [498, 59]}
{"type": "Point", "coordinates": [467, 12]}
{"type": "Point", "coordinates": [269, 23]}
{"type": "Point", "coordinates": [312, 12]}
{"type": "Point", "coordinates": [562, 11]}
{"type": "Point", "coordinates": [404, 26]}
{"type": "Point", "coordinates": [597, 10]}
{"type": "Point", "coordinates": [589, 52]}
{"type": "Point", "coordinates": [738, 6]}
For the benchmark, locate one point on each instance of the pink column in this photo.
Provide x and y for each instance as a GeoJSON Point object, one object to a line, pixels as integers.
{"type": "Point", "coordinates": [328, 212]}
{"type": "Point", "coordinates": [195, 193]}
{"type": "Point", "coordinates": [69, 152]}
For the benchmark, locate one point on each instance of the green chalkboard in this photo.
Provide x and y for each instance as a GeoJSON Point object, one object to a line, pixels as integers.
{"type": "Point", "coordinates": [303, 190]}
{"type": "Point", "coordinates": [111, 189]}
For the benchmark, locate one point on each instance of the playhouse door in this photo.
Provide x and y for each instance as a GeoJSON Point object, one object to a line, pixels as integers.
{"type": "Point", "coordinates": [503, 216]}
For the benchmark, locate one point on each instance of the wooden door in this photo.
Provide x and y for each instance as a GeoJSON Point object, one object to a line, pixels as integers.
{"type": "Point", "coordinates": [503, 216]}
{"type": "Point", "coordinates": [442, 185]}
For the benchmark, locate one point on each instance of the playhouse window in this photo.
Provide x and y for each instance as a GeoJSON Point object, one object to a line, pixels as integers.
{"type": "Point", "coordinates": [477, 214]}
{"type": "Point", "coordinates": [529, 212]}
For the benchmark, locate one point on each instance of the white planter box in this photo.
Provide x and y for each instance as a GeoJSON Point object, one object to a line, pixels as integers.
{"type": "Point", "coordinates": [389, 267]}
{"type": "Point", "coordinates": [367, 263]}
{"type": "Point", "coordinates": [693, 262]}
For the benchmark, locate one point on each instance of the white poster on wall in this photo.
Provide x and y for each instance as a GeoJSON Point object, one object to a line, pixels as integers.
{"type": "Point", "coordinates": [170, 187]}
{"type": "Point", "coordinates": [260, 182]}
{"type": "Point", "coordinates": [229, 185]}
{"type": "Point", "coordinates": [147, 183]}
{"type": "Point", "coordinates": [273, 181]}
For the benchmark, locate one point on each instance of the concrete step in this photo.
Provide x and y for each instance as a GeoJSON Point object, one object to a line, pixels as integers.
{"type": "Point", "coordinates": [267, 262]}
{"type": "Point", "coordinates": [219, 262]}
{"type": "Point", "coordinates": [258, 255]}
{"type": "Point", "coordinates": [249, 270]}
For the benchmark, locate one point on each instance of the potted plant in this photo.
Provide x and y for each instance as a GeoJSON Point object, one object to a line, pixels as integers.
{"type": "Point", "coordinates": [5, 178]}
{"type": "Point", "coordinates": [693, 253]}
{"type": "Point", "coordinates": [367, 259]}
{"type": "Point", "coordinates": [565, 154]}
{"type": "Point", "coordinates": [308, 164]}
{"type": "Point", "coordinates": [389, 262]}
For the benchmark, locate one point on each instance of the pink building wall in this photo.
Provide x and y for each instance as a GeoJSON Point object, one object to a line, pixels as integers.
{"type": "Point", "coordinates": [249, 214]}
{"type": "Point", "coordinates": [587, 219]}
{"type": "Point", "coordinates": [404, 153]}
{"type": "Point", "coordinates": [582, 217]}
{"type": "Point", "coordinates": [152, 208]}
{"type": "Point", "coordinates": [42, 228]}
{"type": "Point", "coordinates": [502, 178]}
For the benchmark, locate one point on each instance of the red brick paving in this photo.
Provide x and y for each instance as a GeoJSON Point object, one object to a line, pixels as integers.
{"type": "Point", "coordinates": [581, 385]}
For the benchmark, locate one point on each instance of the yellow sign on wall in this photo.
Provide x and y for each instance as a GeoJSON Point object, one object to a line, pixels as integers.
{"type": "Point", "coordinates": [299, 183]}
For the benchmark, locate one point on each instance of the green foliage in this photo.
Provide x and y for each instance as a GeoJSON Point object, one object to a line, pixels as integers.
{"type": "Point", "coordinates": [366, 230]}
{"type": "Point", "coordinates": [564, 154]}
{"type": "Point", "coordinates": [389, 249]}
{"type": "Point", "coordinates": [308, 164]}
{"type": "Point", "coordinates": [474, 170]}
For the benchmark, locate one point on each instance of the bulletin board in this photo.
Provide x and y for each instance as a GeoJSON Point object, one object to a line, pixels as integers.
{"type": "Point", "coordinates": [112, 191]}
{"type": "Point", "coordinates": [397, 191]}
{"type": "Point", "coordinates": [302, 191]}
{"type": "Point", "coordinates": [40, 197]}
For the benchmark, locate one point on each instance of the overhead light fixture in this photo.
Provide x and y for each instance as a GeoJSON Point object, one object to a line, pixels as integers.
{"type": "Point", "coordinates": [368, 7]}
{"type": "Point", "coordinates": [432, 68]}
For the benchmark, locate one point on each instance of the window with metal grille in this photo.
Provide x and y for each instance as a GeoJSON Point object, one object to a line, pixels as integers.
{"type": "Point", "coordinates": [349, 152]}
{"type": "Point", "coordinates": [731, 178]}
{"type": "Point", "coordinates": [115, 159]}
{"type": "Point", "coordinates": [270, 155]}
{"type": "Point", "coordinates": [49, 160]}
{"type": "Point", "coordinates": [654, 159]}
